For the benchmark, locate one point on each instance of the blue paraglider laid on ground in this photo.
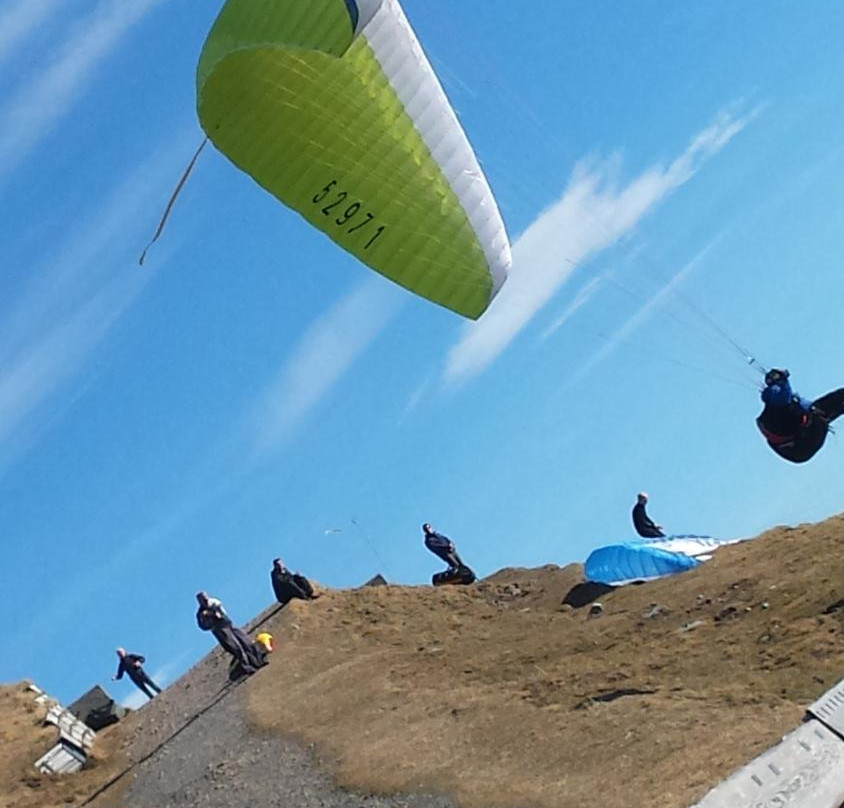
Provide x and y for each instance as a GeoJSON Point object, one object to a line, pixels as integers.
{"type": "Point", "coordinates": [623, 563]}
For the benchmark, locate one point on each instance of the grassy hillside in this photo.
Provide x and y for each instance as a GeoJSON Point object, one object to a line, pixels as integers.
{"type": "Point", "coordinates": [495, 694]}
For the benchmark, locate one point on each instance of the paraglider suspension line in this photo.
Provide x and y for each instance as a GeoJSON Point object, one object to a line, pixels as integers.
{"type": "Point", "coordinates": [172, 200]}
{"type": "Point", "coordinates": [748, 357]}
{"type": "Point", "coordinates": [371, 546]}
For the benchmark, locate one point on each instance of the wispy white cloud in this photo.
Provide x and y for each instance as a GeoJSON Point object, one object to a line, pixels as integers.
{"type": "Point", "coordinates": [56, 356]}
{"type": "Point", "coordinates": [580, 300]}
{"type": "Point", "coordinates": [592, 214]}
{"type": "Point", "coordinates": [642, 314]}
{"type": "Point", "coordinates": [50, 94]}
{"type": "Point", "coordinates": [416, 396]}
{"type": "Point", "coordinates": [50, 329]}
{"type": "Point", "coordinates": [19, 20]}
{"type": "Point", "coordinates": [97, 590]}
{"type": "Point", "coordinates": [328, 348]}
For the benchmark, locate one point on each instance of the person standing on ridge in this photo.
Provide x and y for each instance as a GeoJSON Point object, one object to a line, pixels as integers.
{"type": "Point", "coordinates": [211, 616]}
{"type": "Point", "coordinates": [288, 585]}
{"type": "Point", "coordinates": [794, 427]}
{"type": "Point", "coordinates": [132, 666]}
{"type": "Point", "coordinates": [645, 526]}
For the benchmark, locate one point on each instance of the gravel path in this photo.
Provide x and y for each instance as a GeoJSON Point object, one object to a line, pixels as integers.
{"type": "Point", "coordinates": [218, 762]}
{"type": "Point", "coordinates": [192, 746]}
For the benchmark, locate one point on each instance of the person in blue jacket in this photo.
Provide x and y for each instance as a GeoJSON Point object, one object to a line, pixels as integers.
{"type": "Point", "coordinates": [795, 427]}
{"type": "Point", "coordinates": [442, 547]}
{"type": "Point", "coordinates": [133, 666]}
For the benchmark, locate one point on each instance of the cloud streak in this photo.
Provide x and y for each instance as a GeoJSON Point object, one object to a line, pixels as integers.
{"type": "Point", "coordinates": [593, 213]}
{"type": "Point", "coordinates": [580, 300]}
{"type": "Point", "coordinates": [19, 20]}
{"type": "Point", "coordinates": [43, 101]}
{"type": "Point", "coordinates": [641, 315]}
{"type": "Point", "coordinates": [326, 351]}
{"type": "Point", "coordinates": [49, 331]}
{"type": "Point", "coordinates": [55, 357]}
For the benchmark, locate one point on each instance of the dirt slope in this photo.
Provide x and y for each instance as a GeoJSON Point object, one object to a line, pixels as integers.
{"type": "Point", "coordinates": [494, 695]}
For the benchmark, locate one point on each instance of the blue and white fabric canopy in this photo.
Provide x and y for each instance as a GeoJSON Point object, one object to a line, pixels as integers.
{"type": "Point", "coordinates": [644, 560]}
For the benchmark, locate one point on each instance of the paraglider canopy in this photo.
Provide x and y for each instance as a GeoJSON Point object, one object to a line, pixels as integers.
{"type": "Point", "coordinates": [629, 561]}
{"type": "Point", "coordinates": [332, 107]}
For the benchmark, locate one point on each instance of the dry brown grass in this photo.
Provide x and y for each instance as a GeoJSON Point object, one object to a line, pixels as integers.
{"type": "Point", "coordinates": [492, 694]}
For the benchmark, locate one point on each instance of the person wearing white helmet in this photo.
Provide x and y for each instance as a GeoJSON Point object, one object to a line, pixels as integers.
{"type": "Point", "coordinates": [645, 526]}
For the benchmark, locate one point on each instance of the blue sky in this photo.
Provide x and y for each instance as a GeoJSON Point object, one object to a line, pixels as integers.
{"type": "Point", "coordinates": [671, 178]}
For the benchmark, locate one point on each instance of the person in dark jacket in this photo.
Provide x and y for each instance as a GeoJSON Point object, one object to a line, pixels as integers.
{"type": "Point", "coordinates": [442, 547]}
{"type": "Point", "coordinates": [288, 585]}
{"type": "Point", "coordinates": [645, 526]}
{"type": "Point", "coordinates": [211, 616]}
{"type": "Point", "coordinates": [132, 666]}
{"type": "Point", "coordinates": [794, 427]}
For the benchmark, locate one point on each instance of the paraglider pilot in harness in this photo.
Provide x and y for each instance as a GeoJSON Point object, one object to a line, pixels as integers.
{"type": "Point", "coordinates": [132, 666]}
{"type": "Point", "coordinates": [288, 585]}
{"type": "Point", "coordinates": [211, 616]}
{"type": "Point", "coordinates": [443, 547]}
{"type": "Point", "coordinates": [794, 427]}
{"type": "Point", "coordinates": [645, 526]}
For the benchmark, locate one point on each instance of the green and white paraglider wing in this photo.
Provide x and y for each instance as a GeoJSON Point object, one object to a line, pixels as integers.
{"type": "Point", "coordinates": [332, 106]}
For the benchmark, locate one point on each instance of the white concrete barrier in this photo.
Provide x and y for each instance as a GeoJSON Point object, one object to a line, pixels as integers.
{"type": "Point", "coordinates": [829, 709]}
{"type": "Point", "coordinates": [75, 737]}
{"type": "Point", "coordinates": [70, 727]}
{"type": "Point", "coordinates": [63, 758]}
{"type": "Point", "coordinates": [804, 770]}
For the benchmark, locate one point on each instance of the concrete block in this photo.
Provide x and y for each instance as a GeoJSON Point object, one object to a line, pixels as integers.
{"type": "Point", "coordinates": [63, 758]}
{"type": "Point", "coordinates": [829, 709]}
{"type": "Point", "coordinates": [804, 770]}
